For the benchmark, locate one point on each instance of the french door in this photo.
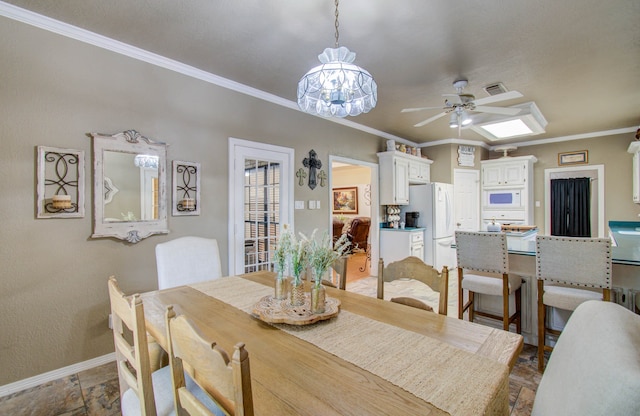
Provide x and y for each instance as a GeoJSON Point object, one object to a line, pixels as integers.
{"type": "Point", "coordinates": [260, 201]}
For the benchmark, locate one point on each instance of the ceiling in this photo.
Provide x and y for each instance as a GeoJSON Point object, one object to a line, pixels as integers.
{"type": "Point", "coordinates": [578, 60]}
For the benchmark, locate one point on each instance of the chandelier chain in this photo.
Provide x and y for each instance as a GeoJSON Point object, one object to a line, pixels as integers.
{"type": "Point", "coordinates": [337, 24]}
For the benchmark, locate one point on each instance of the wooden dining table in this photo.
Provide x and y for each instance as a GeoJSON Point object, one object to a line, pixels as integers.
{"type": "Point", "coordinates": [375, 358]}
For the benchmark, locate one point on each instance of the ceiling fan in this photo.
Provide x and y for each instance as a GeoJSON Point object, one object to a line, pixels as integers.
{"type": "Point", "coordinates": [459, 104]}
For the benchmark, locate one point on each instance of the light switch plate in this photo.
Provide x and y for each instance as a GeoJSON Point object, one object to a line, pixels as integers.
{"type": "Point", "coordinates": [317, 204]}
{"type": "Point", "coordinates": [299, 204]}
{"type": "Point", "coordinates": [312, 204]}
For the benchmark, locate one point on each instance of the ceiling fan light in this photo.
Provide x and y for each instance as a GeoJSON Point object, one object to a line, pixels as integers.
{"type": "Point", "coordinates": [453, 121]}
{"type": "Point", "coordinates": [466, 119]}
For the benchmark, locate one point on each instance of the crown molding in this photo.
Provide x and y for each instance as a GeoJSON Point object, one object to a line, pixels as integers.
{"type": "Point", "coordinates": [456, 141]}
{"type": "Point", "coordinates": [580, 136]}
{"type": "Point", "coordinates": [55, 26]}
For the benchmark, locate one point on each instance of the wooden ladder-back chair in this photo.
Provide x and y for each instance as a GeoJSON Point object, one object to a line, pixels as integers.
{"type": "Point", "coordinates": [339, 266]}
{"type": "Point", "coordinates": [187, 260]}
{"type": "Point", "coordinates": [137, 387]}
{"type": "Point", "coordinates": [227, 383]}
{"type": "Point", "coordinates": [570, 271]}
{"type": "Point", "coordinates": [416, 269]}
{"type": "Point", "coordinates": [486, 254]}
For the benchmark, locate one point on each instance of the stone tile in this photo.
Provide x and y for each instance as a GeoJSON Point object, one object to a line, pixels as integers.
{"type": "Point", "coordinates": [103, 399]}
{"type": "Point", "coordinates": [524, 404]}
{"type": "Point", "coordinates": [53, 398]}
{"type": "Point", "coordinates": [98, 375]}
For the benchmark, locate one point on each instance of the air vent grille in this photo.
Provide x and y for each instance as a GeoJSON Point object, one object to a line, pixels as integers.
{"type": "Point", "coordinates": [495, 89]}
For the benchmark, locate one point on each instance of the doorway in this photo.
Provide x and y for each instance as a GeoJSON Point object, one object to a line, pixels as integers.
{"type": "Point", "coordinates": [351, 173]}
{"type": "Point", "coordinates": [260, 200]}
{"type": "Point", "coordinates": [466, 196]}
{"type": "Point", "coordinates": [596, 174]}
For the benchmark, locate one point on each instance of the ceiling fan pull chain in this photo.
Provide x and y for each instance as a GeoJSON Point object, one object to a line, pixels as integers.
{"type": "Point", "coordinates": [337, 24]}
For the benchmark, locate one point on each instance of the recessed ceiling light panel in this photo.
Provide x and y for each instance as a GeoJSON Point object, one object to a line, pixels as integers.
{"type": "Point", "coordinates": [528, 122]}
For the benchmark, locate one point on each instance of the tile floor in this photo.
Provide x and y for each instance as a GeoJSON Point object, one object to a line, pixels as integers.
{"type": "Point", "coordinates": [96, 391]}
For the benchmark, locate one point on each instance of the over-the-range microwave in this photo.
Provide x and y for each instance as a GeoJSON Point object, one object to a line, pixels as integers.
{"type": "Point", "coordinates": [502, 198]}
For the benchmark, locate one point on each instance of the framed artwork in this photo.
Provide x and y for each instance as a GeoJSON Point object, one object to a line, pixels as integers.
{"type": "Point", "coordinates": [60, 183]}
{"type": "Point", "coordinates": [345, 200]}
{"type": "Point", "coordinates": [573, 158]}
{"type": "Point", "coordinates": [186, 188]}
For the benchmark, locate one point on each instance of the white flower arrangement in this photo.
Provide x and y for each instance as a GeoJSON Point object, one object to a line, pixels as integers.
{"type": "Point", "coordinates": [322, 253]}
{"type": "Point", "coordinates": [298, 258]}
{"type": "Point", "coordinates": [283, 247]}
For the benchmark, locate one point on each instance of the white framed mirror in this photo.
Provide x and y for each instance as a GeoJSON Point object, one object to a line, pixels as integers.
{"type": "Point", "coordinates": [130, 200]}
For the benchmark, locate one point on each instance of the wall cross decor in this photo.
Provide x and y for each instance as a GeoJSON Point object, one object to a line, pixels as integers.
{"type": "Point", "coordinates": [313, 163]}
{"type": "Point", "coordinates": [323, 178]}
{"type": "Point", "coordinates": [301, 175]}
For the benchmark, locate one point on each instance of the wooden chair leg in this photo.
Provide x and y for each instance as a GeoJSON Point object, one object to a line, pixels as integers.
{"type": "Point", "coordinates": [541, 326]}
{"type": "Point", "coordinates": [472, 304]}
{"type": "Point", "coordinates": [519, 310]}
{"type": "Point", "coordinates": [505, 302]}
{"type": "Point", "coordinates": [460, 295]}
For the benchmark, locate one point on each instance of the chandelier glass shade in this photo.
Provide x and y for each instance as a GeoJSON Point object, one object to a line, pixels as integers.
{"type": "Point", "coordinates": [337, 87]}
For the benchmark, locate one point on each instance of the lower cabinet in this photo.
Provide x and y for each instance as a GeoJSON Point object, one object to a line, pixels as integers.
{"type": "Point", "coordinates": [397, 244]}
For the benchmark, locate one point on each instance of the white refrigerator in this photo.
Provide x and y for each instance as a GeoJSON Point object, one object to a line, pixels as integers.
{"type": "Point", "coordinates": [434, 203]}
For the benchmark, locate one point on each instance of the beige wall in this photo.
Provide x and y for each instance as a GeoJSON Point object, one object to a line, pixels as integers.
{"type": "Point", "coordinates": [54, 91]}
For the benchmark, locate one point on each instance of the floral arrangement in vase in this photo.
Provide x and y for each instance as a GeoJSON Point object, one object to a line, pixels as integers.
{"type": "Point", "coordinates": [298, 262]}
{"type": "Point", "coordinates": [322, 253]}
{"type": "Point", "coordinates": [283, 247]}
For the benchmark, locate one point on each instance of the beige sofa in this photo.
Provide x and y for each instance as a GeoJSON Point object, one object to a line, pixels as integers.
{"type": "Point", "coordinates": [594, 368]}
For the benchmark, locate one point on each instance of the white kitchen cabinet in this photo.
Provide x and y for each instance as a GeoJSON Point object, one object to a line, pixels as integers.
{"type": "Point", "coordinates": [397, 171]}
{"type": "Point", "coordinates": [501, 173]}
{"type": "Point", "coordinates": [397, 244]}
{"type": "Point", "coordinates": [634, 148]}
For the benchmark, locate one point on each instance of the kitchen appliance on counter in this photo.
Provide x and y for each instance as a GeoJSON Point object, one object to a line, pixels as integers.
{"type": "Point", "coordinates": [433, 203]}
{"type": "Point", "coordinates": [411, 219]}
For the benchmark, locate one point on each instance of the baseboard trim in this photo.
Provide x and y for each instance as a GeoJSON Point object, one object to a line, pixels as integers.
{"type": "Point", "coordinates": [34, 381]}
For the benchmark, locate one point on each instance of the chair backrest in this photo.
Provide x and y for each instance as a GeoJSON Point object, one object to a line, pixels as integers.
{"type": "Point", "coordinates": [227, 382]}
{"type": "Point", "coordinates": [340, 267]}
{"type": "Point", "coordinates": [574, 261]}
{"type": "Point", "coordinates": [187, 260]}
{"type": "Point", "coordinates": [127, 314]}
{"type": "Point", "coordinates": [416, 269]}
{"type": "Point", "coordinates": [482, 251]}
{"type": "Point", "coordinates": [594, 368]}
{"type": "Point", "coordinates": [359, 232]}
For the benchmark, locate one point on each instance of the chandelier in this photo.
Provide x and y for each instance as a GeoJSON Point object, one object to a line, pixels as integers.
{"type": "Point", "coordinates": [337, 87]}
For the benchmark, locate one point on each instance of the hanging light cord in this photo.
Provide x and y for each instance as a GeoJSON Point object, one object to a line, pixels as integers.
{"type": "Point", "coordinates": [337, 24]}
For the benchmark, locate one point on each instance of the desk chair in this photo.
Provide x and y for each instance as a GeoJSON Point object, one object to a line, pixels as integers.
{"type": "Point", "coordinates": [141, 391]}
{"type": "Point", "coordinates": [486, 254]}
{"type": "Point", "coordinates": [570, 271]}
{"type": "Point", "coordinates": [416, 269]}
{"type": "Point", "coordinates": [187, 260]}
{"type": "Point", "coordinates": [225, 385]}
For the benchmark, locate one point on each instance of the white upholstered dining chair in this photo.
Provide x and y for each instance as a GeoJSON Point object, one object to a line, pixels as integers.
{"type": "Point", "coordinates": [570, 271]}
{"type": "Point", "coordinates": [483, 267]}
{"type": "Point", "coordinates": [224, 383]}
{"type": "Point", "coordinates": [187, 260]}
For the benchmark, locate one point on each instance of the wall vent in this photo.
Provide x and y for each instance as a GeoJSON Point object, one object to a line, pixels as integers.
{"type": "Point", "coordinates": [495, 89]}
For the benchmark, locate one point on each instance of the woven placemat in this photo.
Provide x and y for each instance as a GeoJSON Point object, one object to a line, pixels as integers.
{"type": "Point", "coordinates": [447, 377]}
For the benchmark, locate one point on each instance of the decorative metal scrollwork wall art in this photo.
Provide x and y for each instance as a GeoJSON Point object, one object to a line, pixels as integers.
{"type": "Point", "coordinates": [186, 188]}
{"type": "Point", "coordinates": [60, 183]}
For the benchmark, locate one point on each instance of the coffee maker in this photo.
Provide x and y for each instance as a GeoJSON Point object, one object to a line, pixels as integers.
{"type": "Point", "coordinates": [411, 219]}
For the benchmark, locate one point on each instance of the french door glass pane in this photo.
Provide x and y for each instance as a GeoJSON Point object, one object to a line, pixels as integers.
{"type": "Point", "coordinates": [261, 212]}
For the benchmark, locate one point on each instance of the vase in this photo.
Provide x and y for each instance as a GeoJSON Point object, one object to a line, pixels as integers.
{"type": "Point", "coordinates": [318, 295]}
{"type": "Point", "coordinates": [280, 286]}
{"type": "Point", "coordinates": [297, 292]}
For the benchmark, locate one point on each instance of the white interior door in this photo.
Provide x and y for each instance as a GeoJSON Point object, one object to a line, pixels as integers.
{"type": "Point", "coordinates": [260, 201]}
{"type": "Point", "coordinates": [466, 183]}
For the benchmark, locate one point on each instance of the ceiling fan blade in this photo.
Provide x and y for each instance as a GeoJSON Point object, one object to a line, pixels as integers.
{"type": "Point", "coordinates": [429, 120]}
{"type": "Point", "coordinates": [411, 110]}
{"type": "Point", "coordinates": [509, 95]}
{"type": "Point", "coordinates": [497, 110]}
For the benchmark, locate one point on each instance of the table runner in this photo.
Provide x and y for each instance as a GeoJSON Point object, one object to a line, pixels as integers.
{"type": "Point", "coordinates": [454, 380]}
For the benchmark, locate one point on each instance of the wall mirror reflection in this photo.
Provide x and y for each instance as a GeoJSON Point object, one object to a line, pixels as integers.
{"type": "Point", "coordinates": [129, 186]}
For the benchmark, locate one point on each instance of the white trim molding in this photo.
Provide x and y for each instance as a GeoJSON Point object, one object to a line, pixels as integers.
{"type": "Point", "coordinates": [34, 381]}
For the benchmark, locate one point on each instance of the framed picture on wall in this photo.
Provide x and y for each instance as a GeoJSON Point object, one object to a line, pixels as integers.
{"type": "Point", "coordinates": [345, 200]}
{"type": "Point", "coordinates": [573, 158]}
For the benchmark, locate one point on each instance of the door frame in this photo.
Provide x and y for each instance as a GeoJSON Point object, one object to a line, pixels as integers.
{"type": "Point", "coordinates": [238, 147]}
{"type": "Point", "coordinates": [476, 172]}
{"type": "Point", "coordinates": [599, 169]}
{"type": "Point", "coordinates": [374, 231]}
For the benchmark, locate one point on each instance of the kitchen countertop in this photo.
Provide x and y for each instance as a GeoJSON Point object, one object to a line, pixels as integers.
{"type": "Point", "coordinates": [625, 236]}
{"type": "Point", "coordinates": [405, 229]}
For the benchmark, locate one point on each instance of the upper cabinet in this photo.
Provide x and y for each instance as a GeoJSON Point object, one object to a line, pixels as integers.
{"type": "Point", "coordinates": [634, 148]}
{"type": "Point", "coordinates": [397, 171]}
{"type": "Point", "coordinates": [498, 172]}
